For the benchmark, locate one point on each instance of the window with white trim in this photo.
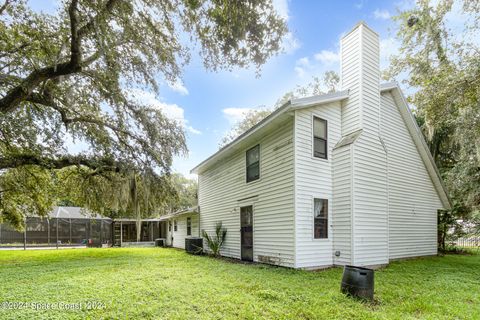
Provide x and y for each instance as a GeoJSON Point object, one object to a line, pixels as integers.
{"type": "Point", "coordinates": [253, 163]}
{"type": "Point", "coordinates": [320, 144]}
{"type": "Point", "coordinates": [320, 218]}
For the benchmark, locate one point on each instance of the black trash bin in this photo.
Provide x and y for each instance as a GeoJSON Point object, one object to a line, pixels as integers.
{"type": "Point", "coordinates": [358, 282]}
{"type": "Point", "coordinates": [194, 245]}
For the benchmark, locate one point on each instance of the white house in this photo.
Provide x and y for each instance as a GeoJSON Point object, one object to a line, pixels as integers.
{"type": "Point", "coordinates": [180, 225]}
{"type": "Point", "coordinates": [341, 178]}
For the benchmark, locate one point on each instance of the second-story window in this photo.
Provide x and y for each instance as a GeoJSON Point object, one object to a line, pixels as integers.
{"type": "Point", "coordinates": [320, 145]}
{"type": "Point", "coordinates": [253, 163]}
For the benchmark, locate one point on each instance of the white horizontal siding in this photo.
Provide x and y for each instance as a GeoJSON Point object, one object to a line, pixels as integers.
{"type": "Point", "coordinates": [369, 202]}
{"type": "Point", "coordinates": [313, 179]}
{"type": "Point", "coordinates": [370, 235]}
{"type": "Point", "coordinates": [413, 200]}
{"type": "Point", "coordinates": [222, 187]}
{"type": "Point", "coordinates": [177, 238]}
{"type": "Point", "coordinates": [350, 75]}
{"type": "Point", "coordinates": [342, 205]}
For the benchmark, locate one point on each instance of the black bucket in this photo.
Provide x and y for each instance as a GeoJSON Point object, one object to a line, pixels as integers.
{"type": "Point", "coordinates": [358, 282]}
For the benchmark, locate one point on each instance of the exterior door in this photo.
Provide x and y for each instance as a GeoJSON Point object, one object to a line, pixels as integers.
{"type": "Point", "coordinates": [246, 230]}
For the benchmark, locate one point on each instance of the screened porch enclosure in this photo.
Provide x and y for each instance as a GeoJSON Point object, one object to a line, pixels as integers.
{"type": "Point", "coordinates": [125, 231]}
{"type": "Point", "coordinates": [57, 232]}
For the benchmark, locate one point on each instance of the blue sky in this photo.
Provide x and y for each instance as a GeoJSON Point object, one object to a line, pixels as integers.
{"type": "Point", "coordinates": [215, 100]}
{"type": "Point", "coordinates": [208, 103]}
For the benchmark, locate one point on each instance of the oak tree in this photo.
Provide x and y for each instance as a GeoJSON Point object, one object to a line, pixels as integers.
{"type": "Point", "coordinates": [77, 76]}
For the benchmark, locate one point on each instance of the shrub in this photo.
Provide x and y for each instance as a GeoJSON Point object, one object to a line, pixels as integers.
{"type": "Point", "coordinates": [215, 243]}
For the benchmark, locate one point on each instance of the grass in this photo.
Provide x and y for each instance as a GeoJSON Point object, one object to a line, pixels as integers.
{"type": "Point", "coordinates": [158, 283]}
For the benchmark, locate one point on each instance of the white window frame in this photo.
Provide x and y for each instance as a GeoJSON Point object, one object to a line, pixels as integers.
{"type": "Point", "coordinates": [259, 164]}
{"type": "Point", "coordinates": [313, 137]}
{"type": "Point", "coordinates": [313, 218]}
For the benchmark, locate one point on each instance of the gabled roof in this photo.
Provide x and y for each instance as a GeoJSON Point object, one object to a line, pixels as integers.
{"type": "Point", "coordinates": [300, 103]}
{"type": "Point", "coordinates": [73, 213]}
{"type": "Point", "coordinates": [290, 105]}
{"type": "Point", "coordinates": [418, 139]}
{"type": "Point", "coordinates": [192, 210]}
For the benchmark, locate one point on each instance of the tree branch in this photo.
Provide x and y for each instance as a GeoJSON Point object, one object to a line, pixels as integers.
{"type": "Point", "coordinates": [21, 92]}
{"type": "Point", "coordinates": [75, 43]}
{"type": "Point", "coordinates": [107, 9]}
{"type": "Point", "coordinates": [20, 160]}
{"type": "Point", "coordinates": [4, 6]}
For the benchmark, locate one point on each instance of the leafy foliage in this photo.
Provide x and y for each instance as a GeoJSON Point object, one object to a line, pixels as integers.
{"type": "Point", "coordinates": [215, 243]}
{"type": "Point", "coordinates": [445, 68]}
{"type": "Point", "coordinates": [187, 192]}
{"type": "Point", "coordinates": [81, 75]}
{"type": "Point", "coordinates": [251, 118]}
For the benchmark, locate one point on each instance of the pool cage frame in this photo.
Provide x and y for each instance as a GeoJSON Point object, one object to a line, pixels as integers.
{"type": "Point", "coordinates": [58, 232]}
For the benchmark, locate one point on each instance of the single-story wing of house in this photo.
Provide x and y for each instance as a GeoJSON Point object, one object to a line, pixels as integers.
{"type": "Point", "coordinates": [344, 178]}
{"type": "Point", "coordinates": [181, 225]}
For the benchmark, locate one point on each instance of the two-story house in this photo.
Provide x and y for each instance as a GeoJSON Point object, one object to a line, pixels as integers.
{"type": "Point", "coordinates": [341, 178]}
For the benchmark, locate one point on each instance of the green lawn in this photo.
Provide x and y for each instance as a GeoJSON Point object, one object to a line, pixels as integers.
{"type": "Point", "coordinates": [156, 283]}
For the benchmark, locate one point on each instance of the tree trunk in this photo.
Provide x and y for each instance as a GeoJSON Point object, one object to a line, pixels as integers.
{"type": "Point", "coordinates": [135, 207]}
{"type": "Point", "coordinates": [139, 228]}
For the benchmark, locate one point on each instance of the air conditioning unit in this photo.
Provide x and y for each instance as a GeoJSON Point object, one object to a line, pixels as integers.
{"type": "Point", "coordinates": [160, 242]}
{"type": "Point", "coordinates": [194, 245]}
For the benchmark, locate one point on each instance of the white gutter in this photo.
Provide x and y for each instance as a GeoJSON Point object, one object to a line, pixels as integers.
{"type": "Point", "coordinates": [290, 105]}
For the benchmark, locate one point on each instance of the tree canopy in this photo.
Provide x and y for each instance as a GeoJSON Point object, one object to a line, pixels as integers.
{"type": "Point", "coordinates": [78, 76]}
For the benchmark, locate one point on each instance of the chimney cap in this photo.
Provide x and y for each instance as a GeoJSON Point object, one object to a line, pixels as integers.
{"type": "Point", "coordinates": [361, 23]}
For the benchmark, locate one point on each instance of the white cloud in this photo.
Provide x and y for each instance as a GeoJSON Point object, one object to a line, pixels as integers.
{"type": "Point", "coordinates": [303, 61]}
{"type": "Point", "coordinates": [172, 111]}
{"type": "Point", "coordinates": [300, 71]}
{"type": "Point", "coordinates": [301, 66]}
{"type": "Point", "coordinates": [327, 57]}
{"type": "Point", "coordinates": [235, 115]}
{"type": "Point", "coordinates": [282, 8]}
{"type": "Point", "coordinates": [317, 65]}
{"type": "Point", "coordinates": [388, 47]}
{"type": "Point", "coordinates": [179, 87]}
{"type": "Point", "coordinates": [359, 4]}
{"type": "Point", "coordinates": [381, 14]}
{"type": "Point", "coordinates": [290, 43]}
{"type": "Point", "coordinates": [193, 130]}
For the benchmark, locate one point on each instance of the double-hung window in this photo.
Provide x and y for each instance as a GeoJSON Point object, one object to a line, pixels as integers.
{"type": "Point", "coordinates": [175, 225]}
{"type": "Point", "coordinates": [253, 163]}
{"type": "Point", "coordinates": [320, 218]}
{"type": "Point", "coordinates": [320, 145]}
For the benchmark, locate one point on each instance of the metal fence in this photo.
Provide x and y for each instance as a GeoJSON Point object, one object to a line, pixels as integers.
{"type": "Point", "coordinates": [471, 242]}
{"type": "Point", "coordinates": [57, 232]}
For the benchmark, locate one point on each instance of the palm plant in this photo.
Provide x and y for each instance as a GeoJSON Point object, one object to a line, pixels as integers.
{"type": "Point", "coordinates": [215, 243]}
